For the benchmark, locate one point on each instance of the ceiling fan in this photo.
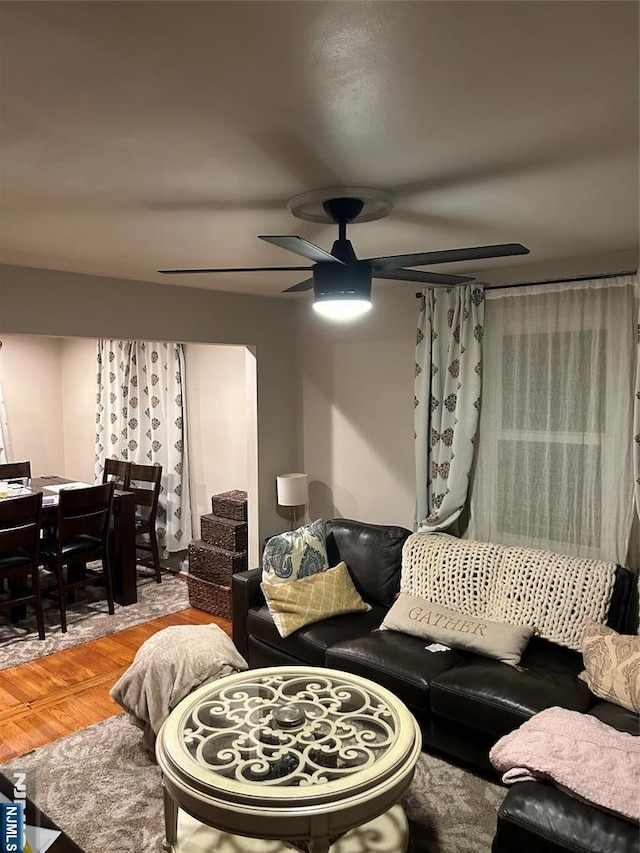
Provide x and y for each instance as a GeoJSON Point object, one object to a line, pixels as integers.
{"type": "Point", "coordinates": [340, 280]}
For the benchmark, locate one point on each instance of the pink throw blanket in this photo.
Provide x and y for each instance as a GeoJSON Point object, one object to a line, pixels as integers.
{"type": "Point", "coordinates": [582, 755]}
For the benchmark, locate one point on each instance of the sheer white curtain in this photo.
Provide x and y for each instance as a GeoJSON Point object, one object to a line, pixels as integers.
{"type": "Point", "coordinates": [447, 400]}
{"type": "Point", "coordinates": [5, 449]}
{"type": "Point", "coordinates": [141, 418]}
{"type": "Point", "coordinates": [554, 462]}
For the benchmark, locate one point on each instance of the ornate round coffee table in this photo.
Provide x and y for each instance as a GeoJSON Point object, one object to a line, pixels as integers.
{"type": "Point", "coordinates": [299, 754]}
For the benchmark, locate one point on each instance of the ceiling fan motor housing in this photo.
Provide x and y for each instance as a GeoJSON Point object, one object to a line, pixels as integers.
{"type": "Point", "coordinates": [331, 281]}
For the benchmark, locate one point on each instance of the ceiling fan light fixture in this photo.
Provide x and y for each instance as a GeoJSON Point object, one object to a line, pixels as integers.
{"type": "Point", "coordinates": [342, 308]}
{"type": "Point", "coordinates": [341, 292]}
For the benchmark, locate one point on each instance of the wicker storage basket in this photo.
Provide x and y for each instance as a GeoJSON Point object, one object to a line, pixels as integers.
{"type": "Point", "coordinates": [210, 597]}
{"type": "Point", "coordinates": [231, 504]}
{"type": "Point", "coordinates": [213, 564]}
{"type": "Point", "coordinates": [224, 532]}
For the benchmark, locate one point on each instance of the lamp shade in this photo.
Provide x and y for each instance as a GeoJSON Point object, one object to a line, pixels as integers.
{"type": "Point", "coordinates": [293, 489]}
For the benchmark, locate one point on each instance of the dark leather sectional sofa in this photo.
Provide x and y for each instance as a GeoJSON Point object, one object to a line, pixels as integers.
{"type": "Point", "coordinates": [463, 702]}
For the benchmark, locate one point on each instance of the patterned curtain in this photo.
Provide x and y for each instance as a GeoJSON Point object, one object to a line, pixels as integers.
{"type": "Point", "coordinates": [636, 431]}
{"type": "Point", "coordinates": [5, 450]}
{"type": "Point", "coordinates": [447, 401]}
{"type": "Point", "coordinates": [141, 418]}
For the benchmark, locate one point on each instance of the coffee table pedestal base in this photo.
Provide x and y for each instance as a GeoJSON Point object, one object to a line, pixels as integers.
{"type": "Point", "coordinates": [388, 833]}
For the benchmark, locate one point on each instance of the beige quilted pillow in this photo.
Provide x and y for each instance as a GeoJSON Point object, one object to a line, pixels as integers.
{"type": "Point", "coordinates": [612, 665]}
{"type": "Point", "coordinates": [298, 603]}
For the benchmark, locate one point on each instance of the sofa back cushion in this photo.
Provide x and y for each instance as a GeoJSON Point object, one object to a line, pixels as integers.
{"type": "Point", "coordinates": [373, 554]}
{"type": "Point", "coordinates": [623, 610]}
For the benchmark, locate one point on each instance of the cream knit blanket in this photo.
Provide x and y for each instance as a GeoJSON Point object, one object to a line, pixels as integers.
{"type": "Point", "coordinates": [554, 594]}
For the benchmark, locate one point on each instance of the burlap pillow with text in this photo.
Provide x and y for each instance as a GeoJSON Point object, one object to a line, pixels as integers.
{"type": "Point", "coordinates": [422, 618]}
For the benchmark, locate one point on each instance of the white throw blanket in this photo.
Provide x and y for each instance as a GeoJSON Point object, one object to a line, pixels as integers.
{"type": "Point", "coordinates": [554, 594]}
{"type": "Point", "coordinates": [582, 755]}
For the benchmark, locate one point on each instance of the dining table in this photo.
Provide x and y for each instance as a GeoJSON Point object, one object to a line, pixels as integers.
{"type": "Point", "coordinates": [123, 539]}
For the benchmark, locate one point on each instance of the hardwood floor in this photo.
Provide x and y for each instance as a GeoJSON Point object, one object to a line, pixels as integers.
{"type": "Point", "coordinates": [51, 697]}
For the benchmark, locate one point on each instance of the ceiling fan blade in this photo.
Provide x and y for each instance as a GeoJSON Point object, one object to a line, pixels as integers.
{"type": "Point", "coordinates": [234, 269]}
{"type": "Point", "coordinates": [448, 256]}
{"type": "Point", "coordinates": [302, 247]}
{"type": "Point", "coordinates": [427, 277]}
{"type": "Point", "coordinates": [307, 284]}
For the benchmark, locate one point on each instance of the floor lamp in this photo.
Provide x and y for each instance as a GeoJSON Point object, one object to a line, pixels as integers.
{"type": "Point", "coordinates": [293, 491]}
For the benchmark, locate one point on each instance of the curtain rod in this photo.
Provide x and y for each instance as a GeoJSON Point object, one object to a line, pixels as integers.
{"type": "Point", "coordinates": [553, 281]}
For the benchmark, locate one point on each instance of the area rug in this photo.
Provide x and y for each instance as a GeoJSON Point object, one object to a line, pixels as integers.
{"type": "Point", "coordinates": [88, 619]}
{"type": "Point", "coordinates": [102, 787]}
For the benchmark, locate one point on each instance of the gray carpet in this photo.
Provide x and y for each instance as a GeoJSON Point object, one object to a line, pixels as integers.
{"type": "Point", "coordinates": [102, 787]}
{"type": "Point", "coordinates": [88, 619]}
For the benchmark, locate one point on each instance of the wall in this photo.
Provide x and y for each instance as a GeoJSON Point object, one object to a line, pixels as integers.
{"type": "Point", "coordinates": [51, 303]}
{"type": "Point", "coordinates": [220, 414]}
{"type": "Point", "coordinates": [357, 408]}
{"type": "Point", "coordinates": [78, 364]}
{"type": "Point", "coordinates": [35, 419]}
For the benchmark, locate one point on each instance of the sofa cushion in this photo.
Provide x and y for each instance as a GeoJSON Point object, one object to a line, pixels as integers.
{"type": "Point", "coordinates": [309, 644]}
{"type": "Point", "coordinates": [493, 698]}
{"type": "Point", "coordinates": [612, 665]}
{"type": "Point", "coordinates": [373, 554]}
{"type": "Point", "coordinates": [617, 717]}
{"type": "Point", "coordinates": [397, 661]}
{"type": "Point", "coordinates": [536, 817]}
{"type": "Point", "coordinates": [422, 618]}
{"type": "Point", "coordinates": [320, 596]}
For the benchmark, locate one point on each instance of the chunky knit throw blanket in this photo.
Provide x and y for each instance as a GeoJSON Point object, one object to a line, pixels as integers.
{"type": "Point", "coordinates": [579, 753]}
{"type": "Point", "coordinates": [556, 595]}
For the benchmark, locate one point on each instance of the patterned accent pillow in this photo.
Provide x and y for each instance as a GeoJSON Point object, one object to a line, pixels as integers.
{"type": "Point", "coordinates": [612, 665]}
{"type": "Point", "coordinates": [329, 593]}
{"type": "Point", "coordinates": [295, 554]}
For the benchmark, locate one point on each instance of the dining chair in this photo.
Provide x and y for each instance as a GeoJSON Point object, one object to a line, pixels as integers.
{"type": "Point", "coordinates": [19, 553]}
{"type": "Point", "coordinates": [15, 470]}
{"type": "Point", "coordinates": [116, 471]}
{"type": "Point", "coordinates": [144, 482]}
{"type": "Point", "coordinates": [82, 536]}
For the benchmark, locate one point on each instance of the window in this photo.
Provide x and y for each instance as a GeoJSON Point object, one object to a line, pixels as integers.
{"type": "Point", "coordinates": [553, 467]}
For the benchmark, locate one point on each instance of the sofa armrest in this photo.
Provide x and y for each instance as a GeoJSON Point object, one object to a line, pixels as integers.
{"type": "Point", "coordinates": [245, 593]}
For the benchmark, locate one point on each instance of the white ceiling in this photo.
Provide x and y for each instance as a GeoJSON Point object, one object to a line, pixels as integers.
{"type": "Point", "coordinates": [142, 135]}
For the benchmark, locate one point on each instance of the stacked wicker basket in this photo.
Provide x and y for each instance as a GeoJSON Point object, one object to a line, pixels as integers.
{"type": "Point", "coordinates": [221, 552]}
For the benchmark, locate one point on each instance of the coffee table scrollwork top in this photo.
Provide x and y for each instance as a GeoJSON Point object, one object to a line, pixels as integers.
{"type": "Point", "coordinates": [299, 754]}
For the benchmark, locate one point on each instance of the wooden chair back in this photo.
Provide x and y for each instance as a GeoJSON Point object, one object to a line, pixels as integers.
{"type": "Point", "coordinates": [144, 482]}
{"type": "Point", "coordinates": [20, 521]}
{"type": "Point", "coordinates": [20, 528]}
{"type": "Point", "coordinates": [15, 470]}
{"type": "Point", "coordinates": [116, 471]}
{"type": "Point", "coordinates": [85, 513]}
